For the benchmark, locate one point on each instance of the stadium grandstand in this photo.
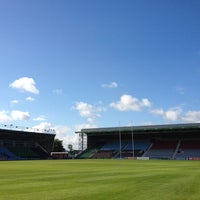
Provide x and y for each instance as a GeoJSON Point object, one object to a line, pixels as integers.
{"type": "Point", "coordinates": [20, 143]}
{"type": "Point", "coordinates": [172, 141]}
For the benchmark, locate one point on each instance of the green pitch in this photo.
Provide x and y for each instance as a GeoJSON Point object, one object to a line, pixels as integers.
{"type": "Point", "coordinates": [100, 179]}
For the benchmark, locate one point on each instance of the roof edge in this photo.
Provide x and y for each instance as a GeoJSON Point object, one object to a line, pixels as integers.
{"type": "Point", "coordinates": [142, 128]}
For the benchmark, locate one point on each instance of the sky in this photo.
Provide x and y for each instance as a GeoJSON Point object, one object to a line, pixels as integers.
{"type": "Point", "coordinates": [73, 64]}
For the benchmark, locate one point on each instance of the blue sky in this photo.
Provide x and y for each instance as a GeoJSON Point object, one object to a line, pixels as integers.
{"type": "Point", "coordinates": [72, 64]}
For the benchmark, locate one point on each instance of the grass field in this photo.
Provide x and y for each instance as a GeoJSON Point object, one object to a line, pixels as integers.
{"type": "Point", "coordinates": [100, 179]}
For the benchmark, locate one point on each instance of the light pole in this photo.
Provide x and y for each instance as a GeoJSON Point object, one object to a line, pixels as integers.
{"type": "Point", "coordinates": [132, 140]}
{"type": "Point", "coordinates": [120, 143]}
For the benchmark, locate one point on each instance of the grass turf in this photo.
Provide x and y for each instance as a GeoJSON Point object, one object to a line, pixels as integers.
{"type": "Point", "coordinates": [100, 180]}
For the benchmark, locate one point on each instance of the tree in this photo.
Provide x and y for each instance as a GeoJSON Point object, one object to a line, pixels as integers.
{"type": "Point", "coordinates": [70, 147]}
{"type": "Point", "coordinates": [58, 145]}
{"type": "Point", "coordinates": [71, 151]}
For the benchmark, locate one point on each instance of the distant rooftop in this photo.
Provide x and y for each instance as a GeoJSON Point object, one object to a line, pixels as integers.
{"type": "Point", "coordinates": [26, 129]}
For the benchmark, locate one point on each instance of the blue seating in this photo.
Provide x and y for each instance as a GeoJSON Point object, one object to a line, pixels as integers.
{"type": "Point", "coordinates": [8, 155]}
{"type": "Point", "coordinates": [138, 145]}
{"type": "Point", "coordinates": [111, 146]}
{"type": "Point", "coordinates": [161, 153]}
{"type": "Point", "coordinates": [126, 145]}
{"type": "Point", "coordinates": [187, 153]}
{"type": "Point", "coordinates": [162, 149]}
{"type": "Point", "coordinates": [188, 149]}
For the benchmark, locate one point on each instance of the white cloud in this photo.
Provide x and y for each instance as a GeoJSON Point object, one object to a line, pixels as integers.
{"type": "Point", "coordinates": [62, 131]}
{"type": "Point", "coordinates": [81, 126]}
{"type": "Point", "coordinates": [172, 114]}
{"type": "Point", "coordinates": [110, 85]}
{"type": "Point", "coordinates": [19, 115]}
{"type": "Point", "coordinates": [89, 111]}
{"type": "Point", "coordinates": [30, 99]}
{"type": "Point", "coordinates": [25, 84]}
{"type": "Point", "coordinates": [127, 102]}
{"type": "Point", "coordinates": [4, 117]}
{"type": "Point", "coordinates": [65, 134]}
{"type": "Point", "coordinates": [40, 118]}
{"type": "Point", "coordinates": [192, 116]}
{"type": "Point", "coordinates": [158, 111]}
{"type": "Point", "coordinates": [145, 102]}
{"type": "Point", "coordinates": [85, 109]}
{"type": "Point", "coordinates": [14, 101]}
{"type": "Point", "coordinates": [176, 114]}
{"type": "Point", "coordinates": [43, 126]}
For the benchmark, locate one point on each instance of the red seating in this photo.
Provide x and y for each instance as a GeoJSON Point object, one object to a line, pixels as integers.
{"type": "Point", "coordinates": [190, 144]}
{"type": "Point", "coordinates": [103, 154]}
{"type": "Point", "coordinates": [165, 144]}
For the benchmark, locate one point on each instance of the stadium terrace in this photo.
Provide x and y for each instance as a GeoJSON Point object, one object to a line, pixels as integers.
{"type": "Point", "coordinates": [22, 143]}
{"type": "Point", "coordinates": [172, 141]}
